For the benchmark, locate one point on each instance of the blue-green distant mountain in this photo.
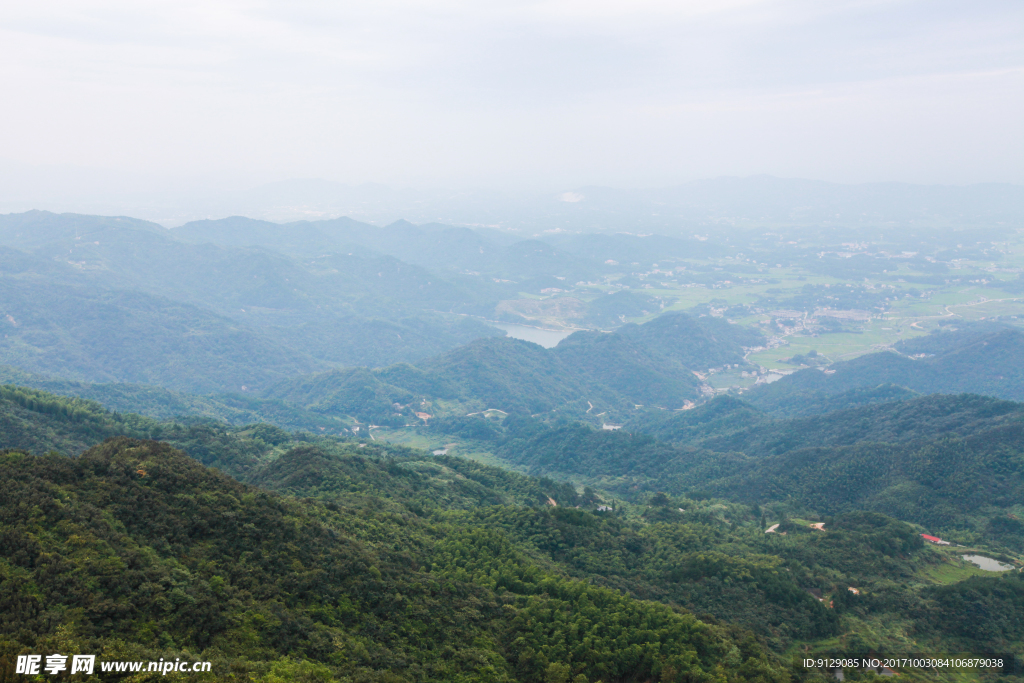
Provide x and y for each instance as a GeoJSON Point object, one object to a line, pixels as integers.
{"type": "Point", "coordinates": [122, 302]}
{"type": "Point", "coordinates": [983, 359]}
{"type": "Point", "coordinates": [81, 292]}
{"type": "Point", "coordinates": [435, 246]}
{"type": "Point", "coordinates": [588, 373]}
{"type": "Point", "coordinates": [695, 343]}
{"type": "Point", "coordinates": [121, 336]}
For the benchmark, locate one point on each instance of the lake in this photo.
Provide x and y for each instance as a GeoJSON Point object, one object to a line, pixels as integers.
{"type": "Point", "coordinates": [988, 564]}
{"type": "Point", "coordinates": [537, 335]}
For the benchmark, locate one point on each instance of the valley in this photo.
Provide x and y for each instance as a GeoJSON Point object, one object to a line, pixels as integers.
{"type": "Point", "coordinates": [412, 453]}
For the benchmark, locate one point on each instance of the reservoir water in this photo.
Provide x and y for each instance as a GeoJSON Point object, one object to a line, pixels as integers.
{"type": "Point", "coordinates": [988, 564]}
{"type": "Point", "coordinates": [537, 335]}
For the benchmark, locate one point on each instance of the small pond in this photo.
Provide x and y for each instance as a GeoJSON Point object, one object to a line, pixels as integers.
{"type": "Point", "coordinates": [988, 564]}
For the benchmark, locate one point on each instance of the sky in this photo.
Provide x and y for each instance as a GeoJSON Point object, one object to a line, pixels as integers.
{"type": "Point", "coordinates": [508, 93]}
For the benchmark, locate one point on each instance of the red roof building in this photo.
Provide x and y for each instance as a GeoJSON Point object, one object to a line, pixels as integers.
{"type": "Point", "coordinates": [934, 539]}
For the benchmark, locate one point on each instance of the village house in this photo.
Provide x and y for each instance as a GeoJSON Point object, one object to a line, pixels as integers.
{"type": "Point", "coordinates": [934, 539]}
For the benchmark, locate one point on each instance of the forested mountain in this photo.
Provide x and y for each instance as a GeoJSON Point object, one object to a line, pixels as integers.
{"type": "Point", "coordinates": [123, 254]}
{"type": "Point", "coordinates": [102, 341]}
{"type": "Point", "coordinates": [633, 369]}
{"type": "Point", "coordinates": [194, 313]}
{"type": "Point", "coordinates": [220, 305]}
{"type": "Point", "coordinates": [219, 287]}
{"type": "Point", "coordinates": [694, 343]}
{"type": "Point", "coordinates": [34, 229]}
{"type": "Point", "coordinates": [728, 424]}
{"type": "Point", "coordinates": [504, 374]}
{"type": "Point", "coordinates": [983, 359]}
{"type": "Point", "coordinates": [587, 373]}
{"type": "Point", "coordinates": [128, 336]}
{"type": "Point", "coordinates": [375, 580]}
{"type": "Point", "coordinates": [950, 463]}
{"type": "Point", "coordinates": [432, 245]}
{"type": "Point", "coordinates": [606, 370]}
{"type": "Point", "coordinates": [164, 404]}
{"type": "Point", "coordinates": [392, 565]}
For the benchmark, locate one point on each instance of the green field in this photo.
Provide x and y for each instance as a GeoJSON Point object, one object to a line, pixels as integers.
{"type": "Point", "coordinates": [977, 296]}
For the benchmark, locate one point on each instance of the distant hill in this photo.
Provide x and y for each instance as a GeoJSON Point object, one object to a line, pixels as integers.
{"type": "Point", "coordinates": [695, 343]}
{"type": "Point", "coordinates": [124, 336]}
{"type": "Point", "coordinates": [163, 404]}
{"type": "Point", "coordinates": [82, 289]}
{"type": "Point", "coordinates": [637, 371]}
{"type": "Point", "coordinates": [753, 200]}
{"type": "Point", "coordinates": [982, 360]}
{"type": "Point", "coordinates": [507, 374]}
{"type": "Point", "coordinates": [34, 229]}
{"type": "Point", "coordinates": [431, 245]}
{"type": "Point", "coordinates": [588, 373]}
{"type": "Point", "coordinates": [729, 425]}
{"type": "Point", "coordinates": [233, 278]}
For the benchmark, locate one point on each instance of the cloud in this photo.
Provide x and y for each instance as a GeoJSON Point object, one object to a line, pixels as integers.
{"type": "Point", "coordinates": [517, 91]}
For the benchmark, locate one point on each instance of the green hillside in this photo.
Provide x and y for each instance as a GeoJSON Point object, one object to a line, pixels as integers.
{"type": "Point", "coordinates": [950, 463]}
{"type": "Point", "coordinates": [122, 336]}
{"type": "Point", "coordinates": [375, 562]}
{"type": "Point", "coordinates": [633, 370]}
{"type": "Point", "coordinates": [695, 343]}
{"type": "Point", "coordinates": [588, 374]}
{"type": "Point", "coordinates": [184, 562]}
{"type": "Point", "coordinates": [143, 399]}
{"type": "Point", "coordinates": [514, 375]}
{"type": "Point", "coordinates": [38, 422]}
{"type": "Point", "coordinates": [359, 392]}
{"type": "Point", "coordinates": [164, 404]}
{"type": "Point", "coordinates": [740, 427]}
{"type": "Point", "coordinates": [790, 402]}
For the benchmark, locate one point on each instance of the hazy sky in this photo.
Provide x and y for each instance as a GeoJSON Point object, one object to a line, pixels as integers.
{"type": "Point", "coordinates": [563, 93]}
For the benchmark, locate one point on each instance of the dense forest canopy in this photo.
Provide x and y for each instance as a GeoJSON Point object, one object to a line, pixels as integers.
{"type": "Point", "coordinates": [493, 556]}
